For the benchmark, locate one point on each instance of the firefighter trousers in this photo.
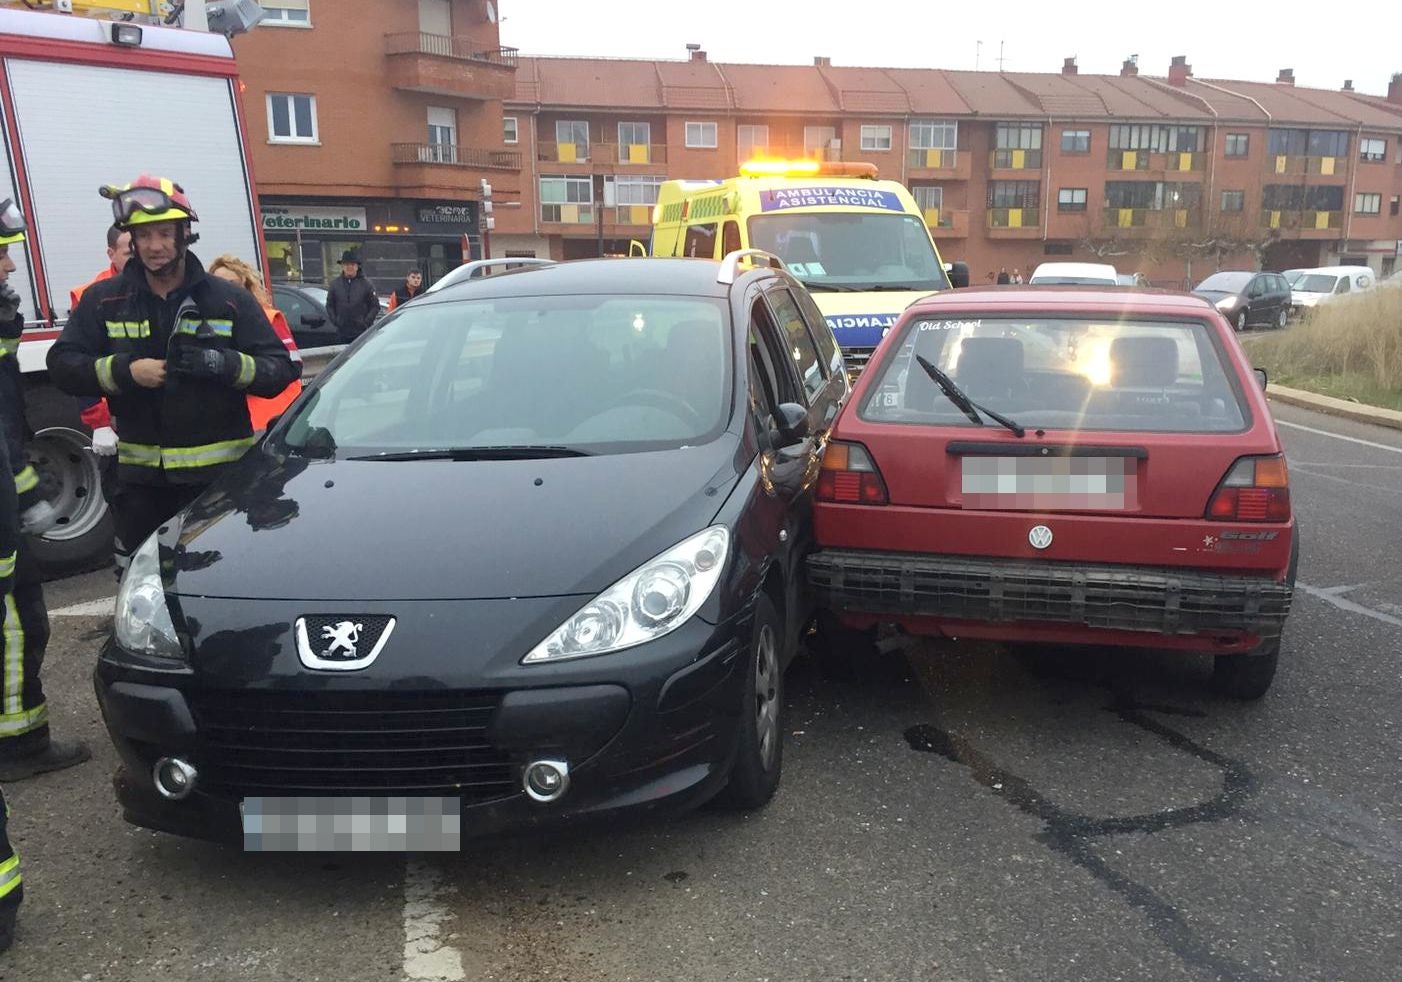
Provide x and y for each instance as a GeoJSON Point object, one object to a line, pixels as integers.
{"type": "Point", "coordinates": [24, 715]}
{"type": "Point", "coordinates": [11, 886]}
{"type": "Point", "coordinates": [140, 509]}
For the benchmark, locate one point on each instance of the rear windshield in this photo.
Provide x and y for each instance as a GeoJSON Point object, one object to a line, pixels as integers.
{"type": "Point", "coordinates": [1074, 281]}
{"type": "Point", "coordinates": [1316, 283]}
{"type": "Point", "coordinates": [1063, 373]}
{"type": "Point", "coordinates": [595, 373]}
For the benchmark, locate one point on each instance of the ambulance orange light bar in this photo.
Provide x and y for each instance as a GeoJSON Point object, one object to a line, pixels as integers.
{"type": "Point", "coordinates": [805, 168]}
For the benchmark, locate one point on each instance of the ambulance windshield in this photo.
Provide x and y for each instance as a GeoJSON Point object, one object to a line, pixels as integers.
{"type": "Point", "coordinates": [851, 251]}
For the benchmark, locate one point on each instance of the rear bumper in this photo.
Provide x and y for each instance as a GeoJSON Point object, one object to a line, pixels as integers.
{"type": "Point", "coordinates": [1149, 602]}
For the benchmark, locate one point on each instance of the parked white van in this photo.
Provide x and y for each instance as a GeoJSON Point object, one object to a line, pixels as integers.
{"type": "Point", "coordinates": [1314, 286]}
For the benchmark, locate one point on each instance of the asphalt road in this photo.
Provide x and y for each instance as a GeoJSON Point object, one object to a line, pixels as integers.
{"type": "Point", "coordinates": [957, 813]}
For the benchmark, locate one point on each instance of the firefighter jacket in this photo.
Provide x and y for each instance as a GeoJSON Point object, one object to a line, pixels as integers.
{"type": "Point", "coordinates": [12, 418]}
{"type": "Point", "coordinates": [190, 429]}
{"type": "Point", "coordinates": [352, 304]}
{"type": "Point", "coordinates": [9, 535]}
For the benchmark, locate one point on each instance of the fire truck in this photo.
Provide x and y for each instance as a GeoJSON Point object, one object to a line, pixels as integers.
{"type": "Point", "coordinates": [94, 94]}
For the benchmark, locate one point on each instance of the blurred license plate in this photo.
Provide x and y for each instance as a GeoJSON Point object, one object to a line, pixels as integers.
{"type": "Point", "coordinates": [1063, 483]}
{"type": "Point", "coordinates": [354, 824]}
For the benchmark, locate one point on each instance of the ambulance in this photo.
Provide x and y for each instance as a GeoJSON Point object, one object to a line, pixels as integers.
{"type": "Point", "coordinates": [859, 244]}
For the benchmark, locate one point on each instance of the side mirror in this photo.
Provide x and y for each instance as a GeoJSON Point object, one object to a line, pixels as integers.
{"type": "Point", "coordinates": [958, 275]}
{"type": "Point", "coordinates": [313, 320]}
{"type": "Point", "coordinates": [792, 423]}
{"type": "Point", "coordinates": [1261, 377]}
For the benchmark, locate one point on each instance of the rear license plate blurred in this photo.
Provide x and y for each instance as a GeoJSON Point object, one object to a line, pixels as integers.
{"type": "Point", "coordinates": [353, 824]}
{"type": "Point", "coordinates": [1050, 483]}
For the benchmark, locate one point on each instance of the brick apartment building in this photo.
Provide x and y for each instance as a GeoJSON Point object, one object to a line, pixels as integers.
{"type": "Point", "coordinates": [391, 114]}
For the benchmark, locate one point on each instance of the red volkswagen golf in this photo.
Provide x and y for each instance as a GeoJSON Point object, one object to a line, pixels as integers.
{"type": "Point", "coordinates": [1064, 466]}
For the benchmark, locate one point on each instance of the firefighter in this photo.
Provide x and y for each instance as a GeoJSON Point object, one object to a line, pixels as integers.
{"type": "Point", "coordinates": [11, 886]}
{"type": "Point", "coordinates": [176, 352]}
{"type": "Point", "coordinates": [26, 747]}
{"type": "Point", "coordinates": [95, 414]}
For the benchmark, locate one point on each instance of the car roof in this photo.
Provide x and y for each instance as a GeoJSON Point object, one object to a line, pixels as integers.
{"type": "Point", "coordinates": [1337, 270]}
{"type": "Point", "coordinates": [684, 277]}
{"type": "Point", "coordinates": [1097, 269]}
{"type": "Point", "coordinates": [1068, 298]}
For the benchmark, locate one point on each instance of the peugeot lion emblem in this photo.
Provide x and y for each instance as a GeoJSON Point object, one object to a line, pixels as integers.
{"type": "Point", "coordinates": [1040, 537]}
{"type": "Point", "coordinates": [336, 643]}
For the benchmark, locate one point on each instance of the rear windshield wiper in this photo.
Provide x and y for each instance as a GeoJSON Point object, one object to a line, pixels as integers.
{"type": "Point", "coordinates": [478, 453]}
{"type": "Point", "coordinates": [966, 405]}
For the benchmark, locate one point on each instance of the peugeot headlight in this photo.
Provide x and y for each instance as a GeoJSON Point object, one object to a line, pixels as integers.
{"type": "Point", "coordinates": [653, 600]}
{"type": "Point", "coordinates": [1226, 303]}
{"type": "Point", "coordinates": [143, 624]}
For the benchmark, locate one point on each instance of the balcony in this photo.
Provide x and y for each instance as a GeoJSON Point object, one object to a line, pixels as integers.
{"type": "Point", "coordinates": [1014, 223]}
{"type": "Point", "coordinates": [603, 154]}
{"type": "Point", "coordinates": [1175, 162]}
{"type": "Point", "coordinates": [1301, 166]}
{"type": "Point", "coordinates": [789, 152]}
{"type": "Point", "coordinates": [635, 217]}
{"type": "Point", "coordinates": [567, 215]}
{"type": "Point", "coordinates": [947, 223]}
{"type": "Point", "coordinates": [430, 169]}
{"type": "Point", "coordinates": [949, 165]}
{"type": "Point", "coordinates": [448, 66]}
{"type": "Point", "coordinates": [1304, 224]}
{"type": "Point", "coordinates": [1150, 218]}
{"type": "Point", "coordinates": [1015, 159]}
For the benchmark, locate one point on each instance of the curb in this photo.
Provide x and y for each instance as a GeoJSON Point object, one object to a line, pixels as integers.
{"type": "Point", "coordinates": [1335, 407]}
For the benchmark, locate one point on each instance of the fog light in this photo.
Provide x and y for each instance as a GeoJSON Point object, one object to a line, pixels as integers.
{"type": "Point", "coordinates": [174, 778]}
{"type": "Point", "coordinates": [127, 35]}
{"type": "Point", "coordinates": [546, 780]}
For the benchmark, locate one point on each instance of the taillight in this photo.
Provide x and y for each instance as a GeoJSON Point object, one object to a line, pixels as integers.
{"type": "Point", "coordinates": [1256, 489]}
{"type": "Point", "coordinates": [849, 476]}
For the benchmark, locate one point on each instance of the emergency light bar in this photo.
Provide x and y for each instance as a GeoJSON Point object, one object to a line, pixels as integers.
{"type": "Point", "coordinates": [805, 168]}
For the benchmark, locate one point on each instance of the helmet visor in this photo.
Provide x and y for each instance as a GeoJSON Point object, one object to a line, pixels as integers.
{"type": "Point", "coordinates": [128, 203]}
{"type": "Point", "coordinates": [11, 219]}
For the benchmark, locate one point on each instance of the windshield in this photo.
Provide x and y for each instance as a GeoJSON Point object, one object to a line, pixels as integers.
{"type": "Point", "coordinates": [1073, 281]}
{"type": "Point", "coordinates": [844, 250]}
{"type": "Point", "coordinates": [1071, 373]}
{"type": "Point", "coordinates": [1315, 283]}
{"type": "Point", "coordinates": [601, 374]}
{"type": "Point", "coordinates": [1226, 282]}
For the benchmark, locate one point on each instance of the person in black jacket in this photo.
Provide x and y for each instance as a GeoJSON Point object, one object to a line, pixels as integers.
{"type": "Point", "coordinates": [352, 303]}
{"type": "Point", "coordinates": [11, 885]}
{"type": "Point", "coordinates": [26, 748]}
{"type": "Point", "coordinates": [175, 352]}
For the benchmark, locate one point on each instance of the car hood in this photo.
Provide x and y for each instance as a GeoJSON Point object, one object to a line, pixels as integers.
{"type": "Point", "coordinates": [290, 528]}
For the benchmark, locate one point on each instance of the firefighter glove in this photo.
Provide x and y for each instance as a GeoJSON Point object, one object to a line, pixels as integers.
{"type": "Point", "coordinates": [207, 363]}
{"type": "Point", "coordinates": [38, 518]}
{"type": "Point", "coordinates": [104, 441]}
{"type": "Point", "coordinates": [9, 302]}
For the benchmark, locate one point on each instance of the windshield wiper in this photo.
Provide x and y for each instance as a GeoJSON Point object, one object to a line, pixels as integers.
{"type": "Point", "coordinates": [478, 453]}
{"type": "Point", "coordinates": [902, 287]}
{"type": "Point", "coordinates": [819, 286]}
{"type": "Point", "coordinates": [966, 405]}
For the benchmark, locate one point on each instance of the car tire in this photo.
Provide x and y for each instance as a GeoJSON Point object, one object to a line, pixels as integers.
{"type": "Point", "coordinates": [841, 650]}
{"type": "Point", "coordinates": [759, 754]}
{"type": "Point", "coordinates": [1246, 677]}
{"type": "Point", "coordinates": [1282, 318]}
{"type": "Point", "coordinates": [1239, 324]}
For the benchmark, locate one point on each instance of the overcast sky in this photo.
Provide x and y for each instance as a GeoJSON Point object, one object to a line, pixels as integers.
{"type": "Point", "coordinates": [1222, 38]}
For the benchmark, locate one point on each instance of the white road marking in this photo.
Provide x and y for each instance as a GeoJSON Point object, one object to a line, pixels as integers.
{"type": "Point", "coordinates": [1339, 436]}
{"type": "Point", "coordinates": [1331, 595]}
{"type": "Point", "coordinates": [427, 957]}
{"type": "Point", "coordinates": [93, 608]}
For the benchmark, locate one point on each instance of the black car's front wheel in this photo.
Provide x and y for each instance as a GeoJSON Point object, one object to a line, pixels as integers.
{"type": "Point", "coordinates": [1240, 323]}
{"type": "Point", "coordinates": [759, 757]}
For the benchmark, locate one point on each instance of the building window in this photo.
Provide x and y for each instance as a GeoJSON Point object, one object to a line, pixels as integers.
{"type": "Point", "coordinates": [634, 134]}
{"type": "Point", "coordinates": [1368, 204]}
{"type": "Point", "coordinates": [1233, 200]}
{"type": "Point", "coordinates": [1071, 199]}
{"type": "Point", "coordinates": [510, 132]}
{"type": "Point", "coordinates": [1057, 249]}
{"type": "Point", "coordinates": [1296, 197]}
{"type": "Point", "coordinates": [568, 200]}
{"type": "Point", "coordinates": [436, 17]}
{"type": "Point", "coordinates": [633, 197]}
{"type": "Point", "coordinates": [286, 13]}
{"type": "Point", "coordinates": [442, 135]}
{"type": "Point", "coordinates": [876, 138]}
{"type": "Point", "coordinates": [1019, 136]}
{"type": "Point", "coordinates": [1014, 194]}
{"type": "Point", "coordinates": [1373, 150]}
{"type": "Point", "coordinates": [291, 118]}
{"type": "Point", "coordinates": [1308, 143]}
{"type": "Point", "coordinates": [572, 137]}
{"type": "Point", "coordinates": [1152, 195]}
{"type": "Point", "coordinates": [701, 136]}
{"type": "Point", "coordinates": [1395, 207]}
{"type": "Point", "coordinates": [1156, 139]}
{"type": "Point", "coordinates": [1075, 141]}
{"type": "Point", "coordinates": [751, 138]}
{"type": "Point", "coordinates": [817, 139]}
{"type": "Point", "coordinates": [934, 134]}
{"type": "Point", "coordinates": [1238, 144]}
{"type": "Point", "coordinates": [928, 198]}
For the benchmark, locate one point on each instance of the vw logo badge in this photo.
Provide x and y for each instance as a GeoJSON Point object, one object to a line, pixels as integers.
{"type": "Point", "coordinates": [1040, 537]}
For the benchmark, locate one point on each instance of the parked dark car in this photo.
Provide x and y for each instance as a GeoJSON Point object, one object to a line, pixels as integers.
{"type": "Point", "coordinates": [304, 306]}
{"type": "Point", "coordinates": [1248, 299]}
{"type": "Point", "coordinates": [534, 545]}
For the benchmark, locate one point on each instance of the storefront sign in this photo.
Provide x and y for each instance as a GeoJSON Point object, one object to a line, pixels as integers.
{"type": "Point", "coordinates": [463, 215]}
{"type": "Point", "coordinates": [313, 218]}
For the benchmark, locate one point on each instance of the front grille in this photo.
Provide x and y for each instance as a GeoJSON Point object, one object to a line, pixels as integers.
{"type": "Point", "coordinates": [1132, 598]}
{"type": "Point", "coordinates": [348, 743]}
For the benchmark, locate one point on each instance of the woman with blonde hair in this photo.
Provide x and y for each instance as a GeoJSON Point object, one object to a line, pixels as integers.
{"type": "Point", "coordinates": [235, 270]}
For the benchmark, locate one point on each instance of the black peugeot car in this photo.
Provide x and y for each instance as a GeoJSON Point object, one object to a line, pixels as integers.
{"type": "Point", "coordinates": [530, 551]}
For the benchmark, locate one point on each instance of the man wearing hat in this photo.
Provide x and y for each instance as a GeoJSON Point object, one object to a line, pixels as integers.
{"type": "Point", "coordinates": [351, 302]}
